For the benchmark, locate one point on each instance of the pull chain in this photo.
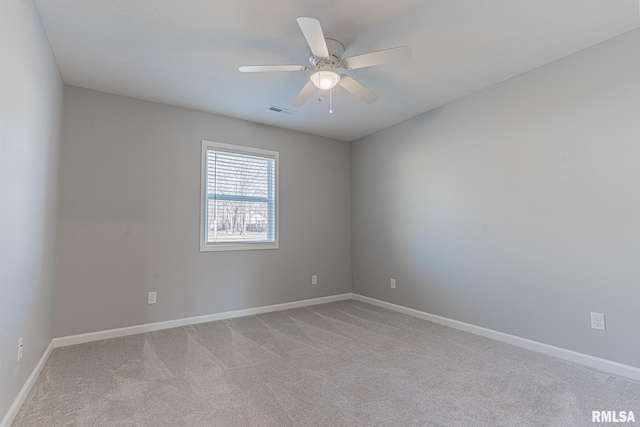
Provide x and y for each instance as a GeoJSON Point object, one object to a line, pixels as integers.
{"type": "Point", "coordinates": [330, 101]}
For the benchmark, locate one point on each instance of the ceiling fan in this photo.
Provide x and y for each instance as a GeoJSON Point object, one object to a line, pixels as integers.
{"type": "Point", "coordinates": [326, 60]}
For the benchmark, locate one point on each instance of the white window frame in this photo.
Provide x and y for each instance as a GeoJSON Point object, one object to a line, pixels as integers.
{"type": "Point", "coordinates": [236, 246]}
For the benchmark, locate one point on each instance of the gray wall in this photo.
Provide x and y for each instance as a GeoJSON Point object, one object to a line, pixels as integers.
{"type": "Point", "coordinates": [516, 208]}
{"type": "Point", "coordinates": [130, 209]}
{"type": "Point", "coordinates": [31, 93]}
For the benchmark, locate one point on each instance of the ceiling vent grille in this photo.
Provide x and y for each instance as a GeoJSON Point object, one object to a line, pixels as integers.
{"type": "Point", "coordinates": [281, 110]}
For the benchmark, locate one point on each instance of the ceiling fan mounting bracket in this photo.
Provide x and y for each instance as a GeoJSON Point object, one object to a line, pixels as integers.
{"type": "Point", "coordinates": [336, 49]}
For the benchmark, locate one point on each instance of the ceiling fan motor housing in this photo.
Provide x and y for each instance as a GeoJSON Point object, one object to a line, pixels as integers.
{"type": "Point", "coordinates": [336, 49]}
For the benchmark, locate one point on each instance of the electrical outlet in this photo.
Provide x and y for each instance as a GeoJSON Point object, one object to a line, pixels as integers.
{"type": "Point", "coordinates": [314, 280]}
{"type": "Point", "coordinates": [597, 321]}
{"type": "Point", "coordinates": [393, 283]}
{"type": "Point", "coordinates": [20, 345]}
{"type": "Point", "coordinates": [151, 298]}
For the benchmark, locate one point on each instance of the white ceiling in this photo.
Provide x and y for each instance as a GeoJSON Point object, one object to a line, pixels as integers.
{"type": "Point", "coordinates": [187, 52]}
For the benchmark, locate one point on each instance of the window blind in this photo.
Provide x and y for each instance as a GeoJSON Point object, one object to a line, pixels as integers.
{"type": "Point", "coordinates": [240, 192]}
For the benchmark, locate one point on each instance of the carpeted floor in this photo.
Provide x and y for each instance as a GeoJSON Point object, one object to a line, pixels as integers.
{"type": "Point", "coordinates": [339, 364]}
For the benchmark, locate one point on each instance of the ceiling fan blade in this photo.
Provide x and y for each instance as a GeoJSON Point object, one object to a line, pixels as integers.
{"type": "Point", "coordinates": [357, 89]}
{"type": "Point", "coordinates": [400, 53]}
{"type": "Point", "coordinates": [262, 68]}
{"type": "Point", "coordinates": [305, 93]}
{"type": "Point", "coordinates": [315, 37]}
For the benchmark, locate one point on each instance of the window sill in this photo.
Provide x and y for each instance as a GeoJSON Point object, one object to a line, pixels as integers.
{"type": "Point", "coordinates": [227, 247]}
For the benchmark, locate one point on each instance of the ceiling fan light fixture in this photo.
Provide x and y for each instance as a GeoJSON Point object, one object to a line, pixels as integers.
{"type": "Point", "coordinates": [325, 80]}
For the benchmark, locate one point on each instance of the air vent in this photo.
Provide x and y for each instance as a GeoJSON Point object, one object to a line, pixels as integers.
{"type": "Point", "coordinates": [281, 110]}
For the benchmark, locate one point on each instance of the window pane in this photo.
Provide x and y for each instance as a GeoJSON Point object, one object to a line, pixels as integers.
{"type": "Point", "coordinates": [233, 221]}
{"type": "Point", "coordinates": [240, 191]}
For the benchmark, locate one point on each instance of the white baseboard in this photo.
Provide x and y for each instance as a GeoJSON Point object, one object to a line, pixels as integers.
{"type": "Point", "coordinates": [149, 327]}
{"type": "Point", "coordinates": [561, 353]}
{"type": "Point", "coordinates": [26, 388]}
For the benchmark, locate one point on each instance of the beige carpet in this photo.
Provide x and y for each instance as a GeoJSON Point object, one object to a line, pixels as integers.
{"type": "Point", "coordinates": [339, 364]}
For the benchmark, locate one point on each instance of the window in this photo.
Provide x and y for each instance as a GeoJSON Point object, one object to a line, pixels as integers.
{"type": "Point", "coordinates": [239, 198]}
